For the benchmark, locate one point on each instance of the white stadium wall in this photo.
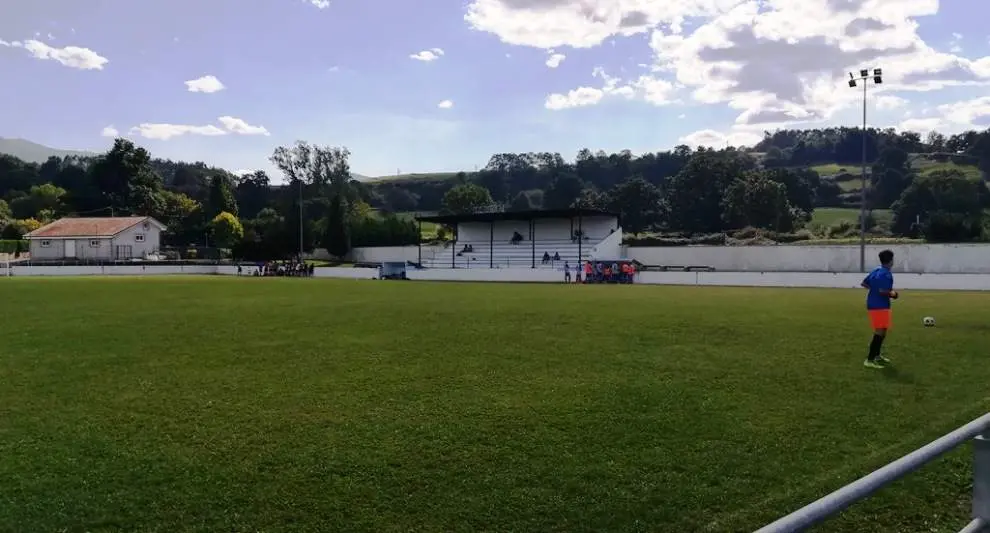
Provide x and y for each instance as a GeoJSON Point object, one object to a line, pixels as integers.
{"type": "Point", "coordinates": [908, 281]}
{"type": "Point", "coordinates": [382, 254]}
{"type": "Point", "coordinates": [113, 270]}
{"type": "Point", "coordinates": [914, 258]}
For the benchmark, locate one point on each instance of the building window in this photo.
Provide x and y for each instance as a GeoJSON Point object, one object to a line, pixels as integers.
{"type": "Point", "coordinates": [139, 238]}
{"type": "Point", "coordinates": [94, 243]}
{"type": "Point", "coordinates": [46, 244]}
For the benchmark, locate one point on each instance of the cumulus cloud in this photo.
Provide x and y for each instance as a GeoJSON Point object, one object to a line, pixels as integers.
{"type": "Point", "coordinates": [69, 56]}
{"type": "Point", "coordinates": [888, 102]}
{"type": "Point", "coordinates": [715, 139]}
{"type": "Point", "coordinates": [446, 104]}
{"type": "Point", "coordinates": [922, 125]}
{"type": "Point", "coordinates": [230, 125]}
{"type": "Point", "coordinates": [656, 91]}
{"type": "Point", "coordinates": [774, 61]}
{"type": "Point", "coordinates": [952, 117]}
{"type": "Point", "coordinates": [320, 4]}
{"type": "Point", "coordinates": [240, 127]}
{"type": "Point", "coordinates": [110, 131]}
{"type": "Point", "coordinates": [205, 84]}
{"type": "Point", "coordinates": [555, 59]}
{"type": "Point", "coordinates": [428, 55]}
{"type": "Point", "coordinates": [164, 131]}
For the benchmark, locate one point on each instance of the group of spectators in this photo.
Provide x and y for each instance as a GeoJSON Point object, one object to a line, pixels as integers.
{"type": "Point", "coordinates": [601, 272]}
{"type": "Point", "coordinates": [293, 268]}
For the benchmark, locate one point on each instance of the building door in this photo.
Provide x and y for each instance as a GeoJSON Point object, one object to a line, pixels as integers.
{"type": "Point", "coordinates": [123, 252]}
{"type": "Point", "coordinates": [70, 248]}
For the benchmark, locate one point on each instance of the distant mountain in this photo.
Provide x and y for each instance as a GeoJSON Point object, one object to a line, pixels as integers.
{"type": "Point", "coordinates": [34, 152]}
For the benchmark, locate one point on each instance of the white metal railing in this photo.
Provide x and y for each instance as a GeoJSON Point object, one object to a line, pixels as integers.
{"type": "Point", "coordinates": [977, 431]}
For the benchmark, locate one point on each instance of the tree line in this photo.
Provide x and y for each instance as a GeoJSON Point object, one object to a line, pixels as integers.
{"type": "Point", "coordinates": [686, 192]}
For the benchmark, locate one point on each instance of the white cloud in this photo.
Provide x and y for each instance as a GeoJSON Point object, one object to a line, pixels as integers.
{"type": "Point", "coordinates": [166, 131]}
{"type": "Point", "coordinates": [652, 90]}
{"type": "Point", "coordinates": [446, 104]}
{"type": "Point", "coordinates": [69, 56]}
{"type": "Point", "coordinates": [974, 112]}
{"type": "Point", "coordinates": [555, 59]}
{"type": "Point", "coordinates": [952, 117]}
{"type": "Point", "coordinates": [955, 45]}
{"type": "Point", "coordinates": [922, 125]}
{"type": "Point", "coordinates": [320, 4]}
{"type": "Point", "coordinates": [206, 84]}
{"type": "Point", "coordinates": [887, 102]}
{"type": "Point", "coordinates": [580, 97]}
{"type": "Point", "coordinates": [776, 62]}
{"type": "Point", "coordinates": [714, 139]}
{"type": "Point", "coordinates": [110, 131]}
{"type": "Point", "coordinates": [240, 127]}
{"type": "Point", "coordinates": [428, 55]}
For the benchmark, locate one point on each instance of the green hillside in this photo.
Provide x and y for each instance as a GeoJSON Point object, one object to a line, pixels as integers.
{"type": "Point", "coordinates": [826, 170]}
{"type": "Point", "coordinates": [415, 177]}
{"type": "Point", "coordinates": [919, 163]}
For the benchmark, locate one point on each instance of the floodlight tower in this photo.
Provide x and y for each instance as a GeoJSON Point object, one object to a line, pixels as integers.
{"type": "Point", "coordinates": [864, 78]}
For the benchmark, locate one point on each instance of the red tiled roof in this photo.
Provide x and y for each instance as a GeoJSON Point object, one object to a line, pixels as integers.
{"type": "Point", "coordinates": [86, 227]}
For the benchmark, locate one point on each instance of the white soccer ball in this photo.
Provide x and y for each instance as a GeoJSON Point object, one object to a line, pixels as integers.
{"type": "Point", "coordinates": [929, 321]}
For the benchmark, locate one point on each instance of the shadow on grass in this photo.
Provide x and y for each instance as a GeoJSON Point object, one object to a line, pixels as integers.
{"type": "Point", "coordinates": [893, 373]}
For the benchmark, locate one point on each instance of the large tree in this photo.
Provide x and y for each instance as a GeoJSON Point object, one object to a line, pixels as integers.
{"type": "Point", "coordinates": [942, 206]}
{"type": "Point", "coordinates": [758, 201]}
{"type": "Point", "coordinates": [323, 172]}
{"type": "Point", "coordinates": [694, 195]}
{"type": "Point", "coordinates": [639, 203]}
{"type": "Point", "coordinates": [466, 199]}
{"type": "Point", "coordinates": [226, 230]}
{"type": "Point", "coordinates": [125, 178]}
{"type": "Point", "coordinates": [222, 198]}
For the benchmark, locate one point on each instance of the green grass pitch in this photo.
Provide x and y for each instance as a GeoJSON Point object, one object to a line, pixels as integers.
{"type": "Point", "coordinates": [220, 404]}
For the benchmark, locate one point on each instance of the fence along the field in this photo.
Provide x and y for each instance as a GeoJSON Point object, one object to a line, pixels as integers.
{"type": "Point", "coordinates": [978, 431]}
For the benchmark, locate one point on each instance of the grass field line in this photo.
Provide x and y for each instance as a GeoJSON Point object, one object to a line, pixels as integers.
{"type": "Point", "coordinates": [850, 472]}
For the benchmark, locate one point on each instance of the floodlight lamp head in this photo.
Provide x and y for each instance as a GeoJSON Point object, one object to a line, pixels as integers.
{"type": "Point", "coordinates": [877, 79]}
{"type": "Point", "coordinates": [864, 73]}
{"type": "Point", "coordinates": [852, 83]}
{"type": "Point", "coordinates": [878, 72]}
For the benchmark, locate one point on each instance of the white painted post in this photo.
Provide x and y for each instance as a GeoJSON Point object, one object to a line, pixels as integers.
{"type": "Point", "coordinates": [981, 477]}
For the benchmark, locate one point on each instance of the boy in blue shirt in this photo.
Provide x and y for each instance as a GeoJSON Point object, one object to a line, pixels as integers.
{"type": "Point", "coordinates": [880, 284]}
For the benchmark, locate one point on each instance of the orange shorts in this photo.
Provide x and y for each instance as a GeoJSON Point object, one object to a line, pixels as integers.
{"type": "Point", "coordinates": [880, 318]}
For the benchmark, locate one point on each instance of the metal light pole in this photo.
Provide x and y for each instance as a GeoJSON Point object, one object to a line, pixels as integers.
{"type": "Point", "coordinates": [300, 220]}
{"type": "Point", "coordinates": [864, 77]}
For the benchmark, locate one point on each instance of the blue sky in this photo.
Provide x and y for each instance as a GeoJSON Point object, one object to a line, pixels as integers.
{"type": "Point", "coordinates": [636, 74]}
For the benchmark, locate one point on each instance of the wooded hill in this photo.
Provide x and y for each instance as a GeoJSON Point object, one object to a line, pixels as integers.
{"type": "Point", "coordinates": [931, 188]}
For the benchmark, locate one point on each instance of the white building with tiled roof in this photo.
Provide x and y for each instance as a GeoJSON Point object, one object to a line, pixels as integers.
{"type": "Point", "coordinates": [106, 239]}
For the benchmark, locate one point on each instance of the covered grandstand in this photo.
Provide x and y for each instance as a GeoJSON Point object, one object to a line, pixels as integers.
{"type": "Point", "coordinates": [525, 239]}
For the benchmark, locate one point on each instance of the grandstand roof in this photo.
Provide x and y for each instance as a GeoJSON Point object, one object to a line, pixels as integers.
{"type": "Point", "coordinates": [517, 215]}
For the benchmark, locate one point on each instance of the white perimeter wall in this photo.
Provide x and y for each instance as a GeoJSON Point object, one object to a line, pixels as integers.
{"type": "Point", "coordinates": [381, 254]}
{"type": "Point", "coordinates": [915, 258]}
{"type": "Point", "coordinates": [972, 282]}
{"type": "Point", "coordinates": [596, 228]}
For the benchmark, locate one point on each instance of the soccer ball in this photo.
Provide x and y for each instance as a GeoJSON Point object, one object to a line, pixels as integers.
{"type": "Point", "coordinates": [929, 321]}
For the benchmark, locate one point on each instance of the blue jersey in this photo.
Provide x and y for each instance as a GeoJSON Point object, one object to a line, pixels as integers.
{"type": "Point", "coordinates": [881, 279]}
